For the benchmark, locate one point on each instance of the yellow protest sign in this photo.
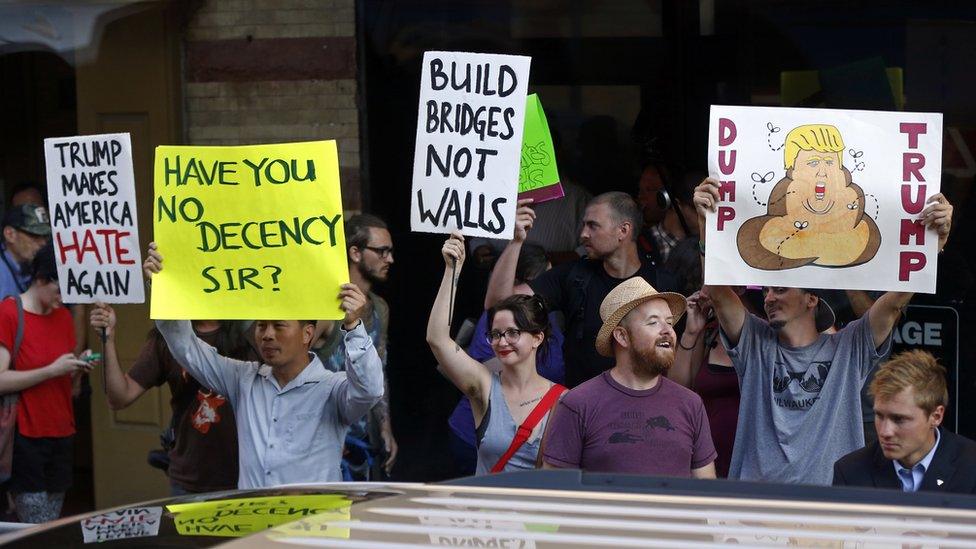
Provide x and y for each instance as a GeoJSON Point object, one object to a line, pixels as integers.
{"type": "Point", "coordinates": [248, 232]}
{"type": "Point", "coordinates": [245, 516]}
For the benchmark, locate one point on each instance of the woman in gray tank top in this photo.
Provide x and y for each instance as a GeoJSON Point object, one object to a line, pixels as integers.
{"type": "Point", "coordinates": [500, 402]}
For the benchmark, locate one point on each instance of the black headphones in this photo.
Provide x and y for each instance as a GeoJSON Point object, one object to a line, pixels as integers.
{"type": "Point", "coordinates": [664, 200]}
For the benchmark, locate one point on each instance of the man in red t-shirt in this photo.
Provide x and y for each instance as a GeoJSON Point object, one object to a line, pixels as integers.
{"type": "Point", "coordinates": [41, 372]}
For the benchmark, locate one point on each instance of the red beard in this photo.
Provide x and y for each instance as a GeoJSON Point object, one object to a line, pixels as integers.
{"type": "Point", "coordinates": [652, 360]}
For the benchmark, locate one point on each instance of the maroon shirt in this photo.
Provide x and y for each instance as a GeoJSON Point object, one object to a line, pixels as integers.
{"type": "Point", "coordinates": [204, 458]}
{"type": "Point", "coordinates": [602, 426]}
{"type": "Point", "coordinates": [718, 387]}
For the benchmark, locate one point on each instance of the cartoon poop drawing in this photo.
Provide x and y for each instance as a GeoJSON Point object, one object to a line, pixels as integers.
{"type": "Point", "coordinates": [815, 215]}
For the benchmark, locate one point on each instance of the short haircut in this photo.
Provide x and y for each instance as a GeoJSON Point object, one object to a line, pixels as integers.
{"type": "Point", "coordinates": [917, 369]}
{"type": "Point", "coordinates": [43, 267]}
{"type": "Point", "coordinates": [307, 322]}
{"type": "Point", "coordinates": [623, 209]}
{"type": "Point", "coordinates": [357, 229]}
{"type": "Point", "coordinates": [812, 137]}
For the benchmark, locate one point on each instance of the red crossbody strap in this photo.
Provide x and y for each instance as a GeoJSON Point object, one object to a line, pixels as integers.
{"type": "Point", "coordinates": [525, 429]}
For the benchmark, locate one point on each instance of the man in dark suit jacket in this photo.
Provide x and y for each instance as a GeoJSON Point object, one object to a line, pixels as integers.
{"type": "Point", "coordinates": [912, 451]}
{"type": "Point", "coordinates": [952, 469]}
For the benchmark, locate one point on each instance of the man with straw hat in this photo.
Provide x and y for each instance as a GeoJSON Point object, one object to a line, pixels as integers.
{"type": "Point", "coordinates": [609, 235]}
{"type": "Point", "coordinates": [800, 409]}
{"type": "Point", "coordinates": [632, 418]}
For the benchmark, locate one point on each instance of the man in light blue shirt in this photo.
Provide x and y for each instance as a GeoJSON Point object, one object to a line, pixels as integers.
{"type": "Point", "coordinates": [911, 478]}
{"type": "Point", "coordinates": [913, 452]}
{"type": "Point", "coordinates": [292, 414]}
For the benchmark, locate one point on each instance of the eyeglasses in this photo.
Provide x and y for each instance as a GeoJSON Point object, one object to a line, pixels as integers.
{"type": "Point", "coordinates": [511, 335]}
{"type": "Point", "coordinates": [383, 252]}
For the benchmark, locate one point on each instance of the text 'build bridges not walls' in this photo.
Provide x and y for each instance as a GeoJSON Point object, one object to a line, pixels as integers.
{"type": "Point", "coordinates": [469, 143]}
{"type": "Point", "coordinates": [249, 232]}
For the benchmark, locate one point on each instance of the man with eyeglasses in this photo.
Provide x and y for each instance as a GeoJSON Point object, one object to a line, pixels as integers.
{"type": "Point", "coordinates": [369, 249]}
{"type": "Point", "coordinates": [800, 408]}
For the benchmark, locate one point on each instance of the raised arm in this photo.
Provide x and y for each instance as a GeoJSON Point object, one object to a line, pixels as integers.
{"type": "Point", "coordinates": [465, 373]}
{"type": "Point", "coordinates": [860, 302]}
{"type": "Point", "coordinates": [887, 309]}
{"type": "Point", "coordinates": [729, 310]}
{"type": "Point", "coordinates": [690, 353]}
{"type": "Point", "coordinates": [501, 284]}
{"type": "Point", "coordinates": [363, 386]}
{"type": "Point", "coordinates": [199, 359]}
{"type": "Point", "coordinates": [120, 389]}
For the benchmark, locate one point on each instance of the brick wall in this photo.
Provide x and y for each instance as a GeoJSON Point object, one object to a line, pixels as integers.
{"type": "Point", "coordinates": [270, 71]}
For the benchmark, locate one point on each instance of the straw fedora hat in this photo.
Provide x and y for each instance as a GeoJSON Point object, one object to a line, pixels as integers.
{"type": "Point", "coordinates": [623, 299]}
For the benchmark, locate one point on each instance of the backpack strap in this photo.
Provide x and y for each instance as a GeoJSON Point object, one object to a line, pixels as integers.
{"type": "Point", "coordinates": [525, 429]}
{"type": "Point", "coordinates": [19, 338]}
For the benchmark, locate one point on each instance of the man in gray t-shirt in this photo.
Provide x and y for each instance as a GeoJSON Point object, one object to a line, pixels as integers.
{"type": "Point", "coordinates": [800, 406]}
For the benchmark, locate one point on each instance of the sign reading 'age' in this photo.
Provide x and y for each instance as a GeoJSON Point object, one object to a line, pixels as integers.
{"type": "Point", "coordinates": [91, 191]}
{"type": "Point", "coordinates": [469, 143]}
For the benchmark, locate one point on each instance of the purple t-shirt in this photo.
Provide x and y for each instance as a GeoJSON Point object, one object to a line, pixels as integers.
{"type": "Point", "coordinates": [602, 426]}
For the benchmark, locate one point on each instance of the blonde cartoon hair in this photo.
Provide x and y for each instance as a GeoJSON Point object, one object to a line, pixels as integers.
{"type": "Point", "coordinates": [812, 137]}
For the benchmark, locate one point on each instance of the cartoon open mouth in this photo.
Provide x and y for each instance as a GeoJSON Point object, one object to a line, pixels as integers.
{"type": "Point", "coordinates": [819, 190]}
{"type": "Point", "coordinates": [811, 209]}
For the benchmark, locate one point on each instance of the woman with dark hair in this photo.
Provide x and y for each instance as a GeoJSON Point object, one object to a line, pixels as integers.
{"type": "Point", "coordinates": [41, 368]}
{"type": "Point", "coordinates": [532, 262]}
{"type": "Point", "coordinates": [500, 402]}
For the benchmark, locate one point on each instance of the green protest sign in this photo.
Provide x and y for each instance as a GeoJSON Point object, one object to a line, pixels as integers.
{"type": "Point", "coordinates": [538, 174]}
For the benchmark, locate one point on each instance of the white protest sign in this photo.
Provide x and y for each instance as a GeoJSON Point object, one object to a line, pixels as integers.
{"type": "Point", "coordinates": [91, 190]}
{"type": "Point", "coordinates": [469, 143]}
{"type": "Point", "coordinates": [820, 198]}
{"type": "Point", "coordinates": [132, 522]}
